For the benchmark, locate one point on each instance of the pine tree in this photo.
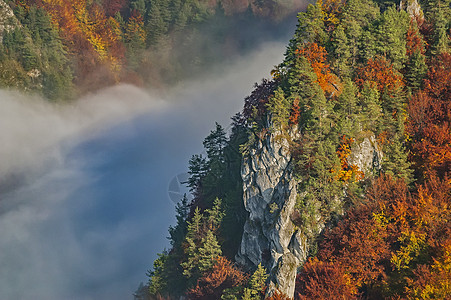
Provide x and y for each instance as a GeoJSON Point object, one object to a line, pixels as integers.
{"type": "Point", "coordinates": [279, 108]}
{"type": "Point", "coordinates": [346, 110]}
{"type": "Point", "coordinates": [178, 232]}
{"type": "Point", "coordinates": [256, 284]}
{"type": "Point", "coordinates": [416, 70]}
{"type": "Point", "coordinates": [198, 168]}
{"type": "Point", "coordinates": [371, 107]}
{"type": "Point", "coordinates": [391, 37]}
{"type": "Point", "coordinates": [208, 252]}
{"type": "Point", "coordinates": [342, 52]}
{"type": "Point", "coordinates": [441, 26]}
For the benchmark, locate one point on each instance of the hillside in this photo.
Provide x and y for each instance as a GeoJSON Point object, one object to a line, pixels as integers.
{"type": "Point", "coordinates": [63, 49]}
{"type": "Point", "coordinates": [333, 182]}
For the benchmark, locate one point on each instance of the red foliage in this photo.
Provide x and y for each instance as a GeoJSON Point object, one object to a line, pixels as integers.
{"type": "Point", "coordinates": [212, 284]}
{"type": "Point", "coordinates": [113, 6]}
{"type": "Point", "coordinates": [392, 231]}
{"type": "Point", "coordinates": [428, 126]}
{"type": "Point", "coordinates": [324, 280]}
{"type": "Point", "coordinates": [380, 73]}
{"type": "Point", "coordinates": [414, 41]}
{"type": "Point", "coordinates": [295, 112]}
{"type": "Point", "coordinates": [255, 104]}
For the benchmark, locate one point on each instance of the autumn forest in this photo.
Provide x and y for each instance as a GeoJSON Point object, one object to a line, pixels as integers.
{"type": "Point", "coordinates": [354, 71]}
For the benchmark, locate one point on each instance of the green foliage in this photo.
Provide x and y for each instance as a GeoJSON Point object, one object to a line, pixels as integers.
{"type": "Point", "coordinates": [346, 109]}
{"type": "Point", "coordinates": [416, 70]}
{"type": "Point", "coordinates": [37, 47]}
{"type": "Point", "coordinates": [279, 108]}
{"type": "Point", "coordinates": [209, 250]}
{"type": "Point", "coordinates": [256, 284]}
{"type": "Point", "coordinates": [391, 40]}
{"type": "Point", "coordinates": [371, 107]}
{"type": "Point", "coordinates": [374, 59]}
{"type": "Point", "coordinates": [178, 233]}
{"type": "Point", "coordinates": [201, 245]}
{"type": "Point", "coordinates": [442, 24]}
{"type": "Point", "coordinates": [158, 282]}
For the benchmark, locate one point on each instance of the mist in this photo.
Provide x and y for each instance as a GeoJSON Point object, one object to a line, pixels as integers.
{"type": "Point", "coordinates": [84, 205]}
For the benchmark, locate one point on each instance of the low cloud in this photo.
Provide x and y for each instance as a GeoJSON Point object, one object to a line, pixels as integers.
{"type": "Point", "coordinates": [84, 204]}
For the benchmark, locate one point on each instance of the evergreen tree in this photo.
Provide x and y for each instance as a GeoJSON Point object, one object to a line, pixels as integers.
{"type": "Point", "coordinates": [256, 284]}
{"type": "Point", "coordinates": [178, 233]}
{"type": "Point", "coordinates": [195, 225]}
{"type": "Point", "coordinates": [158, 281]}
{"type": "Point", "coordinates": [342, 52]}
{"type": "Point", "coordinates": [198, 168]}
{"type": "Point", "coordinates": [158, 20]}
{"type": "Point", "coordinates": [208, 252]}
{"type": "Point", "coordinates": [371, 107]}
{"type": "Point", "coordinates": [346, 110]}
{"type": "Point", "coordinates": [395, 161]}
{"type": "Point", "coordinates": [416, 70]}
{"type": "Point", "coordinates": [441, 28]}
{"type": "Point", "coordinates": [391, 32]}
{"type": "Point", "coordinates": [279, 107]}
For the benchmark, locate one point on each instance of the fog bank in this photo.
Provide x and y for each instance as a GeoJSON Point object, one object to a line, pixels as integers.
{"type": "Point", "coordinates": [84, 204]}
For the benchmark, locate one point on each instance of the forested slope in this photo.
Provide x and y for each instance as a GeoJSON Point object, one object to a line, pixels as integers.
{"type": "Point", "coordinates": [62, 49]}
{"type": "Point", "coordinates": [354, 70]}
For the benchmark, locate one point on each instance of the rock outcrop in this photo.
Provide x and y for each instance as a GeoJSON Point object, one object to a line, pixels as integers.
{"type": "Point", "coordinates": [270, 237]}
{"type": "Point", "coordinates": [7, 19]}
{"type": "Point", "coordinates": [366, 155]}
{"type": "Point", "coordinates": [413, 8]}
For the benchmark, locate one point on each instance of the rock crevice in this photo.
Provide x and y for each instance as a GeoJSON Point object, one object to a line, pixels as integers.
{"type": "Point", "coordinates": [270, 192]}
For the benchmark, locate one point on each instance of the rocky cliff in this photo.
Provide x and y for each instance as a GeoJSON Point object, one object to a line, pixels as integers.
{"type": "Point", "coordinates": [269, 237]}
{"type": "Point", "coordinates": [270, 191]}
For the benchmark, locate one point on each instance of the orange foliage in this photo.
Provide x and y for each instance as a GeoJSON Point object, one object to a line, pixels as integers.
{"type": "Point", "coordinates": [324, 280]}
{"type": "Point", "coordinates": [347, 171]}
{"type": "Point", "coordinates": [317, 56]}
{"type": "Point", "coordinates": [428, 126]}
{"type": "Point", "coordinates": [390, 232]}
{"type": "Point", "coordinates": [379, 73]}
{"type": "Point", "coordinates": [278, 296]}
{"type": "Point", "coordinates": [223, 275]}
{"type": "Point", "coordinates": [414, 40]}
{"type": "Point", "coordinates": [93, 38]}
{"type": "Point", "coordinates": [295, 112]}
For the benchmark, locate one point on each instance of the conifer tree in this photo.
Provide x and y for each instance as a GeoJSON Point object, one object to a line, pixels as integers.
{"type": "Point", "coordinates": [416, 70]}
{"type": "Point", "coordinates": [342, 52]}
{"type": "Point", "coordinates": [256, 284]}
{"type": "Point", "coordinates": [208, 251]}
{"type": "Point", "coordinates": [371, 107]}
{"type": "Point", "coordinates": [441, 26]}
{"type": "Point", "coordinates": [391, 38]}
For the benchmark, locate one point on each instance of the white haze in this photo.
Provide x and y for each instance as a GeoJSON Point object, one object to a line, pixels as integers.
{"type": "Point", "coordinates": [84, 206]}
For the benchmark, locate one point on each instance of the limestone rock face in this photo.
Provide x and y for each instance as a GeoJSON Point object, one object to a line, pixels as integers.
{"type": "Point", "coordinates": [7, 19]}
{"type": "Point", "coordinates": [413, 8]}
{"type": "Point", "coordinates": [270, 237]}
{"type": "Point", "coordinates": [366, 155]}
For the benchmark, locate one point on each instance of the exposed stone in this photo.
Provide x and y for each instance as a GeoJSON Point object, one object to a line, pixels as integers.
{"type": "Point", "coordinates": [7, 19]}
{"type": "Point", "coordinates": [414, 10]}
{"type": "Point", "coordinates": [366, 155]}
{"type": "Point", "coordinates": [270, 237]}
